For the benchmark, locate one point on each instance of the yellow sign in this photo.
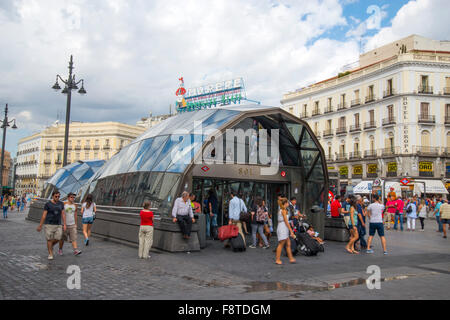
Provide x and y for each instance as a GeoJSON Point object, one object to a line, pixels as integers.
{"type": "Point", "coordinates": [425, 166]}
{"type": "Point", "coordinates": [343, 171]}
{"type": "Point", "coordinates": [358, 170]}
{"type": "Point", "coordinates": [330, 168]}
{"type": "Point", "coordinates": [372, 168]}
{"type": "Point", "coordinates": [392, 167]}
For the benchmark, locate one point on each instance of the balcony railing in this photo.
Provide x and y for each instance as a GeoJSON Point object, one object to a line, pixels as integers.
{"type": "Point", "coordinates": [304, 115]}
{"type": "Point", "coordinates": [58, 161]}
{"type": "Point", "coordinates": [355, 155]}
{"type": "Point", "coordinates": [425, 118]}
{"type": "Point", "coordinates": [106, 147]}
{"type": "Point", "coordinates": [355, 103]}
{"type": "Point", "coordinates": [78, 147]}
{"type": "Point", "coordinates": [370, 154]}
{"type": "Point", "coordinates": [370, 125]}
{"type": "Point", "coordinates": [389, 121]}
{"type": "Point", "coordinates": [342, 106]}
{"type": "Point", "coordinates": [328, 133]}
{"type": "Point", "coordinates": [445, 151]}
{"type": "Point", "coordinates": [388, 93]}
{"type": "Point", "coordinates": [355, 128]}
{"type": "Point", "coordinates": [341, 130]}
{"type": "Point", "coordinates": [424, 150]}
{"type": "Point", "coordinates": [390, 151]}
{"type": "Point", "coordinates": [447, 90]}
{"type": "Point", "coordinates": [341, 156]}
{"type": "Point", "coordinates": [425, 89]}
{"type": "Point", "coordinates": [316, 112]}
{"type": "Point", "coordinates": [329, 109]}
{"type": "Point", "coordinates": [87, 148]}
{"type": "Point", "coordinates": [370, 98]}
{"type": "Point", "coordinates": [46, 161]}
{"type": "Point", "coordinates": [330, 158]}
{"type": "Point", "coordinates": [96, 147]}
{"type": "Point", "coordinates": [48, 148]}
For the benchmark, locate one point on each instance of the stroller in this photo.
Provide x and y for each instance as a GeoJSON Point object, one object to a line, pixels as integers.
{"type": "Point", "coordinates": [305, 244]}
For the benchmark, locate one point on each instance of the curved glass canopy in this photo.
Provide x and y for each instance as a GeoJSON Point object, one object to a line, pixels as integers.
{"type": "Point", "coordinates": [71, 177]}
{"type": "Point", "coordinates": [152, 167]}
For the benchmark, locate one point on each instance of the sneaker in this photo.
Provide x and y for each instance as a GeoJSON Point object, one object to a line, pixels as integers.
{"type": "Point", "coordinates": [369, 251]}
{"type": "Point", "coordinates": [252, 246]}
{"type": "Point", "coordinates": [385, 253]}
{"type": "Point", "coordinates": [60, 252]}
{"type": "Point", "coordinates": [445, 237]}
{"type": "Point", "coordinates": [86, 242]}
{"type": "Point", "coordinates": [50, 257]}
{"type": "Point", "coordinates": [76, 252]}
{"type": "Point", "coordinates": [266, 247]}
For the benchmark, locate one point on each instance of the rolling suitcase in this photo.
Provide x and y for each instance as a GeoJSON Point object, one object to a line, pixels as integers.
{"type": "Point", "coordinates": [294, 246]}
{"type": "Point", "coordinates": [237, 243]}
{"type": "Point", "coordinates": [215, 233]}
{"type": "Point", "coordinates": [307, 245]}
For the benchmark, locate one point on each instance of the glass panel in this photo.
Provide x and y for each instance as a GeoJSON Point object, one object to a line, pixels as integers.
{"type": "Point", "coordinates": [187, 149]}
{"type": "Point", "coordinates": [307, 141]}
{"type": "Point", "coordinates": [295, 129]}
{"type": "Point", "coordinates": [308, 158]}
{"type": "Point", "coordinates": [317, 173]}
{"type": "Point", "coordinates": [163, 161]}
{"type": "Point", "coordinates": [143, 148]}
{"type": "Point", "coordinates": [148, 159]}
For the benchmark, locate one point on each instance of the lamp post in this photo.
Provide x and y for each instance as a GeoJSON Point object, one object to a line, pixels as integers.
{"type": "Point", "coordinates": [5, 124]}
{"type": "Point", "coordinates": [70, 84]}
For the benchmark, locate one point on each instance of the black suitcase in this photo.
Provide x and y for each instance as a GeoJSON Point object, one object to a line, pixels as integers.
{"type": "Point", "coordinates": [237, 243]}
{"type": "Point", "coordinates": [307, 245]}
{"type": "Point", "coordinates": [215, 233]}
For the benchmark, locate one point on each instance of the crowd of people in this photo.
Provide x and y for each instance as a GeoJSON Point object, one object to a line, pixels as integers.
{"type": "Point", "coordinates": [11, 202]}
{"type": "Point", "coordinates": [355, 209]}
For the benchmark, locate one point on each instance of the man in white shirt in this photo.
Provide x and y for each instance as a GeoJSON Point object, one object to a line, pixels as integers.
{"type": "Point", "coordinates": [182, 213]}
{"type": "Point", "coordinates": [236, 206]}
{"type": "Point", "coordinates": [375, 214]}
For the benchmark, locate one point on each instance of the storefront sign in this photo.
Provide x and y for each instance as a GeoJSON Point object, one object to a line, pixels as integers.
{"type": "Point", "coordinates": [358, 170]}
{"type": "Point", "coordinates": [372, 168]}
{"type": "Point", "coordinates": [331, 168]}
{"type": "Point", "coordinates": [425, 166]}
{"type": "Point", "coordinates": [343, 172]}
{"type": "Point", "coordinates": [391, 169]}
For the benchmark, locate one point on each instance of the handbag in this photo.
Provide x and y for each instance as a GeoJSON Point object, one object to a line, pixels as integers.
{"type": "Point", "coordinates": [243, 216]}
{"type": "Point", "coordinates": [228, 232]}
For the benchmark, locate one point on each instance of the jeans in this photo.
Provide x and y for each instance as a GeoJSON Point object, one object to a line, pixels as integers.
{"type": "Point", "coordinates": [145, 241]}
{"type": "Point", "coordinates": [210, 221]}
{"type": "Point", "coordinates": [362, 233]}
{"type": "Point", "coordinates": [5, 212]}
{"type": "Point", "coordinates": [22, 206]}
{"type": "Point", "coordinates": [421, 222]}
{"type": "Point", "coordinates": [260, 229]}
{"type": "Point", "coordinates": [438, 220]}
{"type": "Point", "coordinates": [397, 217]}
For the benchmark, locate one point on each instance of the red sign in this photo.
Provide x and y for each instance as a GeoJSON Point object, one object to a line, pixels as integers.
{"type": "Point", "coordinates": [330, 196]}
{"type": "Point", "coordinates": [205, 169]}
{"type": "Point", "coordinates": [405, 181]}
{"type": "Point", "coordinates": [283, 174]}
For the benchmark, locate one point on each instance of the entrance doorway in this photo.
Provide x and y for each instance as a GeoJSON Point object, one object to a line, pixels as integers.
{"type": "Point", "coordinates": [249, 190]}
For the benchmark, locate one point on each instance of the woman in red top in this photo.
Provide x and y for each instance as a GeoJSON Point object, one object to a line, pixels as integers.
{"type": "Point", "coordinates": [145, 231]}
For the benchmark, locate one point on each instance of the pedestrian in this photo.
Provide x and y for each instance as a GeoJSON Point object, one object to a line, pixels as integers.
{"type": "Point", "coordinates": [284, 230]}
{"type": "Point", "coordinates": [10, 202]}
{"type": "Point", "coordinates": [398, 217]}
{"type": "Point", "coordinates": [258, 217]}
{"type": "Point", "coordinates": [182, 213]}
{"type": "Point", "coordinates": [375, 214]}
{"type": "Point", "coordinates": [235, 207]}
{"type": "Point", "coordinates": [13, 202]}
{"type": "Point", "coordinates": [5, 205]}
{"type": "Point", "coordinates": [18, 203]}
{"type": "Point", "coordinates": [423, 209]}
{"type": "Point", "coordinates": [268, 224]}
{"type": "Point", "coordinates": [145, 232]}
{"type": "Point", "coordinates": [437, 210]}
{"type": "Point", "coordinates": [346, 211]}
{"type": "Point", "coordinates": [244, 223]}
{"type": "Point", "coordinates": [23, 202]}
{"type": "Point", "coordinates": [196, 206]}
{"type": "Point", "coordinates": [361, 222]}
{"type": "Point", "coordinates": [445, 217]}
{"type": "Point", "coordinates": [213, 209]}
{"type": "Point", "coordinates": [70, 234]}
{"type": "Point", "coordinates": [51, 221]}
{"type": "Point", "coordinates": [352, 226]}
{"type": "Point", "coordinates": [336, 207]}
{"type": "Point", "coordinates": [88, 211]}
{"type": "Point", "coordinates": [411, 217]}
{"type": "Point", "coordinates": [391, 209]}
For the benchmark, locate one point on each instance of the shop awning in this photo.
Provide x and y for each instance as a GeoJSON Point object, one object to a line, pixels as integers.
{"type": "Point", "coordinates": [432, 186]}
{"type": "Point", "coordinates": [365, 187]}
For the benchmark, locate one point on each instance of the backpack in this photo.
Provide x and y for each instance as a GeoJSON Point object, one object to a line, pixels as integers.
{"type": "Point", "coordinates": [260, 214]}
{"type": "Point", "coordinates": [409, 209]}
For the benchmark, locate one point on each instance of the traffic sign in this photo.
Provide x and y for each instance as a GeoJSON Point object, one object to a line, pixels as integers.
{"type": "Point", "coordinates": [405, 181]}
{"type": "Point", "coordinates": [377, 182]}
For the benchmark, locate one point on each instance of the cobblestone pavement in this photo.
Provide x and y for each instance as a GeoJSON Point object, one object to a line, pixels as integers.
{"type": "Point", "coordinates": [418, 266]}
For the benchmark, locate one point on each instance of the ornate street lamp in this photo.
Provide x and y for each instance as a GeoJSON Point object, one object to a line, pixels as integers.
{"type": "Point", "coordinates": [5, 124]}
{"type": "Point", "coordinates": [69, 85]}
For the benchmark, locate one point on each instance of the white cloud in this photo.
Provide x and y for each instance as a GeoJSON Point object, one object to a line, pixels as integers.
{"type": "Point", "coordinates": [428, 18]}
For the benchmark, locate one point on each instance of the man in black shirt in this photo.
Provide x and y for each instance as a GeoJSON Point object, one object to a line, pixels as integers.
{"type": "Point", "coordinates": [51, 219]}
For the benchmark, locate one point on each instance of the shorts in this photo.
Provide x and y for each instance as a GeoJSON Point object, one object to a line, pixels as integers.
{"type": "Point", "coordinates": [445, 221]}
{"type": "Point", "coordinates": [379, 227]}
{"type": "Point", "coordinates": [347, 220]}
{"type": "Point", "coordinates": [70, 234]}
{"type": "Point", "coordinates": [53, 232]}
{"type": "Point", "coordinates": [89, 220]}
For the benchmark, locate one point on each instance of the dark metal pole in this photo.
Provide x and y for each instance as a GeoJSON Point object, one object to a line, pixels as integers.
{"type": "Point", "coordinates": [5, 124]}
{"type": "Point", "coordinates": [69, 97]}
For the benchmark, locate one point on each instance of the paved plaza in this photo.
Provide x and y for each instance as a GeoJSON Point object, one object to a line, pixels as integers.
{"type": "Point", "coordinates": [417, 267]}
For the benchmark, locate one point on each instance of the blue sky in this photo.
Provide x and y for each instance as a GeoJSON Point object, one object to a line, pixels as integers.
{"type": "Point", "coordinates": [131, 54]}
